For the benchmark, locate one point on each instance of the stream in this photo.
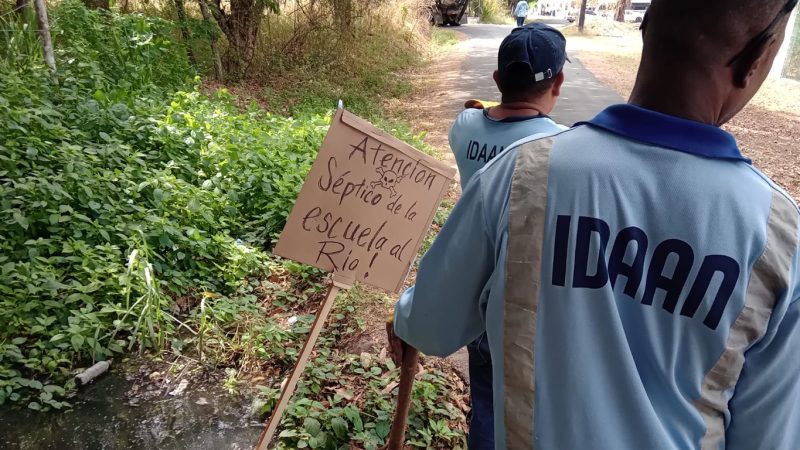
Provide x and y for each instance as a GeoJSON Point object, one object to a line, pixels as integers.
{"type": "Point", "coordinates": [112, 414]}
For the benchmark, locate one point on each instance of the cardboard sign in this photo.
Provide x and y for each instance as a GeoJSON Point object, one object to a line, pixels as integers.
{"type": "Point", "coordinates": [365, 206]}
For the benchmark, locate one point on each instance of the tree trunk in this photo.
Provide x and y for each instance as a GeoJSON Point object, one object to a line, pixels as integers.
{"type": "Point", "coordinates": [44, 34]}
{"type": "Point", "coordinates": [241, 27]}
{"type": "Point", "coordinates": [582, 17]}
{"type": "Point", "coordinates": [97, 4]}
{"type": "Point", "coordinates": [342, 15]}
{"type": "Point", "coordinates": [622, 5]}
{"type": "Point", "coordinates": [214, 49]}
{"type": "Point", "coordinates": [185, 31]}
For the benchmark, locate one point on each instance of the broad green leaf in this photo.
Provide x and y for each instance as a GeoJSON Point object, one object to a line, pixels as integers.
{"type": "Point", "coordinates": [382, 429]}
{"type": "Point", "coordinates": [20, 220]}
{"type": "Point", "coordinates": [288, 433]}
{"type": "Point", "coordinates": [312, 426]}
{"type": "Point", "coordinates": [339, 427]}
{"type": "Point", "coordinates": [53, 389]}
{"type": "Point", "coordinates": [77, 341]}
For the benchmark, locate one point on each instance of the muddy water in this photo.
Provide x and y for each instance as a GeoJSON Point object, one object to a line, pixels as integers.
{"type": "Point", "coordinates": [106, 415]}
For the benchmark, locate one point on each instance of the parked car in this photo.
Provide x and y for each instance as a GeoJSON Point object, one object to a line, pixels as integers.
{"type": "Point", "coordinates": [635, 16]}
{"type": "Point", "coordinates": [572, 16]}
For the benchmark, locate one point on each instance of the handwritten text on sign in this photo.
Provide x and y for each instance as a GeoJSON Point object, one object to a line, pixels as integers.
{"type": "Point", "coordinates": [365, 206]}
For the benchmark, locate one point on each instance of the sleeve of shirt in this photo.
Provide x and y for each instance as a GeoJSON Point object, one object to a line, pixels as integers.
{"type": "Point", "coordinates": [765, 409]}
{"type": "Point", "coordinates": [450, 135]}
{"type": "Point", "coordinates": [441, 312]}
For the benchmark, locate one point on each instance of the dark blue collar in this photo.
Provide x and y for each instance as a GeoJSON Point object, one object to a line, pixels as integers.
{"type": "Point", "coordinates": [671, 132]}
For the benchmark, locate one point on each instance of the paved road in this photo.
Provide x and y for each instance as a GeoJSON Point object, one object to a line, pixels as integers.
{"type": "Point", "coordinates": [582, 96]}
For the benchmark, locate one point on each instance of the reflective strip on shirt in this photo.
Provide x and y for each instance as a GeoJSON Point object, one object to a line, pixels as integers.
{"type": "Point", "coordinates": [769, 279]}
{"type": "Point", "coordinates": [527, 208]}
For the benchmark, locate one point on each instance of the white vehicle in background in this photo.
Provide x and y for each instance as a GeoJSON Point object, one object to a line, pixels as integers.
{"type": "Point", "coordinates": [636, 12]}
{"type": "Point", "coordinates": [634, 16]}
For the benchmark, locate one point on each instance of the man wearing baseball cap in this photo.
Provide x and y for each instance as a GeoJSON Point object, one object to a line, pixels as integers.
{"type": "Point", "coordinates": [637, 278]}
{"type": "Point", "coordinates": [529, 76]}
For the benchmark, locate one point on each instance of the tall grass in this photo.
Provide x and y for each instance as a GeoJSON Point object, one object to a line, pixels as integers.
{"type": "Point", "coordinates": [492, 11]}
{"type": "Point", "coordinates": [307, 62]}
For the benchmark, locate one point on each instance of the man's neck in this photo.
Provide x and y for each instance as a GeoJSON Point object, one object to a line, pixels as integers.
{"type": "Point", "coordinates": [508, 109]}
{"type": "Point", "coordinates": [692, 97]}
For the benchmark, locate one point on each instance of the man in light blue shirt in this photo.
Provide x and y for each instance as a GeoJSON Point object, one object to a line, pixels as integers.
{"type": "Point", "coordinates": [521, 12]}
{"type": "Point", "coordinates": [529, 76]}
{"type": "Point", "coordinates": [644, 294]}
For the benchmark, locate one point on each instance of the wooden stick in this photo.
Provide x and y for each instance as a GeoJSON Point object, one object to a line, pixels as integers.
{"type": "Point", "coordinates": [44, 34]}
{"type": "Point", "coordinates": [286, 394]}
{"type": "Point", "coordinates": [408, 371]}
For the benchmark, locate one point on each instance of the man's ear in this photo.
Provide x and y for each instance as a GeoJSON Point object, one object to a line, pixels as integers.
{"type": "Point", "coordinates": [743, 71]}
{"type": "Point", "coordinates": [557, 84]}
{"type": "Point", "coordinates": [496, 77]}
{"type": "Point", "coordinates": [748, 64]}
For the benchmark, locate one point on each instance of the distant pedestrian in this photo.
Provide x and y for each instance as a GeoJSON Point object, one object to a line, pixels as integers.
{"type": "Point", "coordinates": [521, 12]}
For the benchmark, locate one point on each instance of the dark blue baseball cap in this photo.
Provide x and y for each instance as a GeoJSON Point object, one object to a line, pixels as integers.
{"type": "Point", "coordinates": [540, 47]}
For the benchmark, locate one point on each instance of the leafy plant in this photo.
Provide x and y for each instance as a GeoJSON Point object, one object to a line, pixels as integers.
{"type": "Point", "coordinates": [120, 194]}
{"type": "Point", "coordinates": [346, 399]}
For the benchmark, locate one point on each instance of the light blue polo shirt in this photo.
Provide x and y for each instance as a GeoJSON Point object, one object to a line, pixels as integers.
{"type": "Point", "coordinates": [650, 300]}
{"type": "Point", "coordinates": [475, 138]}
{"type": "Point", "coordinates": [521, 9]}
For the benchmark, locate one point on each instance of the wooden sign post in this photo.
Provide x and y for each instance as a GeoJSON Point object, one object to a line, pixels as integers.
{"type": "Point", "coordinates": [362, 214]}
{"type": "Point", "coordinates": [322, 315]}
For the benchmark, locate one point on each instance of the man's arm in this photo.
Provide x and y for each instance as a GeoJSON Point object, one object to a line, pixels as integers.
{"type": "Point", "coordinates": [765, 409]}
{"type": "Point", "coordinates": [442, 312]}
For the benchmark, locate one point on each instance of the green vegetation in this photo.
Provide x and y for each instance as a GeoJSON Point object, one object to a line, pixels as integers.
{"type": "Point", "coordinates": [442, 38]}
{"type": "Point", "coordinates": [345, 398]}
{"type": "Point", "coordinates": [138, 207]}
{"type": "Point", "coordinates": [494, 11]}
{"type": "Point", "coordinates": [120, 193]}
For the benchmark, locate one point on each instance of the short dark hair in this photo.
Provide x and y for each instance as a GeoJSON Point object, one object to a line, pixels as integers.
{"type": "Point", "coordinates": [689, 31]}
{"type": "Point", "coordinates": [518, 83]}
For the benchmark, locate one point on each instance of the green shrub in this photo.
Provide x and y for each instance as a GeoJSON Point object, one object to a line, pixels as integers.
{"type": "Point", "coordinates": [118, 194]}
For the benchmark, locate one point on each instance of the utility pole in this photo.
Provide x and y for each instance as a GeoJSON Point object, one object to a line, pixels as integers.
{"type": "Point", "coordinates": [582, 16]}
{"type": "Point", "coordinates": [44, 34]}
